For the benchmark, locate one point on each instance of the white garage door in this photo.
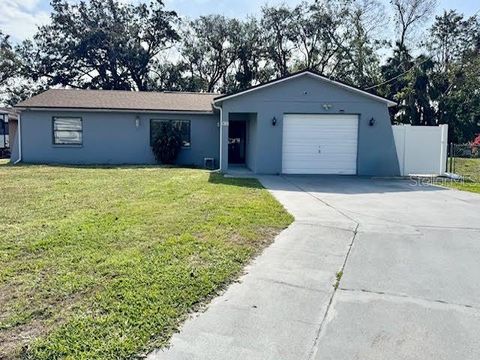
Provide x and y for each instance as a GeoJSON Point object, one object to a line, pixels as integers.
{"type": "Point", "coordinates": [320, 144]}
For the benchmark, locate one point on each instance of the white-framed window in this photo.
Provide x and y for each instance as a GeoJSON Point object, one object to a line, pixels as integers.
{"type": "Point", "coordinates": [67, 130]}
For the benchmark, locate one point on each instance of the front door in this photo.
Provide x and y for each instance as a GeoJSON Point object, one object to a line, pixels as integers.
{"type": "Point", "coordinates": [237, 131]}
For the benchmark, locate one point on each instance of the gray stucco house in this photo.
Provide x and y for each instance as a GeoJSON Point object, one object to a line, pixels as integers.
{"type": "Point", "coordinates": [300, 124]}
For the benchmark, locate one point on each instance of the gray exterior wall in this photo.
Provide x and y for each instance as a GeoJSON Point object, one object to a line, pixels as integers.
{"type": "Point", "coordinates": [113, 138]}
{"type": "Point", "coordinates": [306, 94]}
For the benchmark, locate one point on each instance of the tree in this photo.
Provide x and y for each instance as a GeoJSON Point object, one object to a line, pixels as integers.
{"type": "Point", "coordinates": [416, 97]}
{"type": "Point", "coordinates": [409, 15]}
{"type": "Point", "coordinates": [320, 35]}
{"type": "Point", "coordinates": [248, 69]}
{"type": "Point", "coordinates": [278, 24]}
{"type": "Point", "coordinates": [459, 101]}
{"type": "Point", "coordinates": [360, 65]}
{"type": "Point", "coordinates": [208, 50]}
{"type": "Point", "coordinates": [409, 81]}
{"type": "Point", "coordinates": [452, 37]}
{"type": "Point", "coordinates": [103, 44]}
{"type": "Point", "coordinates": [169, 76]}
{"type": "Point", "coordinates": [393, 71]}
{"type": "Point", "coordinates": [455, 43]}
{"type": "Point", "coordinates": [8, 60]}
{"type": "Point", "coordinates": [335, 38]}
{"type": "Point", "coordinates": [21, 89]}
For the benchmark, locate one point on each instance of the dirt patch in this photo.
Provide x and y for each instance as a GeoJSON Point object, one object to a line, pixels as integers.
{"type": "Point", "coordinates": [15, 339]}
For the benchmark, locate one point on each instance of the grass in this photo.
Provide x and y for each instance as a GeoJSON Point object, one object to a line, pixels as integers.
{"type": "Point", "coordinates": [464, 186]}
{"type": "Point", "coordinates": [104, 263]}
{"type": "Point", "coordinates": [470, 170]}
{"type": "Point", "coordinates": [338, 277]}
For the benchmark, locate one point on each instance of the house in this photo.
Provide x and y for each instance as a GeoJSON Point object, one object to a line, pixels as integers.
{"type": "Point", "coordinates": [300, 124]}
{"type": "Point", "coordinates": [8, 126]}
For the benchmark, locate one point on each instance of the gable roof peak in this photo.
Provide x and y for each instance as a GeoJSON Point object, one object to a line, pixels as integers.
{"type": "Point", "coordinates": [313, 74]}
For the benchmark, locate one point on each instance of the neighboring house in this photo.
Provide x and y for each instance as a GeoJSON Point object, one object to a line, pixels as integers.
{"type": "Point", "coordinates": [8, 122]}
{"type": "Point", "coordinates": [3, 129]}
{"type": "Point", "coordinates": [303, 124]}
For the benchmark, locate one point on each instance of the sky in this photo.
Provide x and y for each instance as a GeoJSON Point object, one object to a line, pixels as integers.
{"type": "Point", "coordinates": [20, 18]}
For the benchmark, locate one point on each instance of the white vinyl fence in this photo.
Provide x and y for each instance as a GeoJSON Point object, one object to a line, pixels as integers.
{"type": "Point", "coordinates": [421, 150]}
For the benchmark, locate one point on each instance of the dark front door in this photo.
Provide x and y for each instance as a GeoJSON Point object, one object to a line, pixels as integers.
{"type": "Point", "coordinates": [237, 131]}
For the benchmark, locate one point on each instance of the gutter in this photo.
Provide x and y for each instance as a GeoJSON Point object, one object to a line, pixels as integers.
{"type": "Point", "coordinates": [19, 131]}
{"type": "Point", "coordinates": [219, 108]}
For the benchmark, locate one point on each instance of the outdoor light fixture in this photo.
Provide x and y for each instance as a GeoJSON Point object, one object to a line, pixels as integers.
{"type": "Point", "coordinates": [372, 122]}
{"type": "Point", "coordinates": [137, 122]}
{"type": "Point", "coordinates": [327, 106]}
{"type": "Point", "coordinates": [274, 121]}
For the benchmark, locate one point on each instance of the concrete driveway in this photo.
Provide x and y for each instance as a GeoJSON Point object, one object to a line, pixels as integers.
{"type": "Point", "coordinates": [410, 258]}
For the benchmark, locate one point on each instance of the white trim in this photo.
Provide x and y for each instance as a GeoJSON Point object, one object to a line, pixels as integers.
{"type": "Point", "coordinates": [388, 102]}
{"type": "Point", "coordinates": [220, 124]}
{"type": "Point", "coordinates": [19, 131]}
{"type": "Point", "coordinates": [131, 111]}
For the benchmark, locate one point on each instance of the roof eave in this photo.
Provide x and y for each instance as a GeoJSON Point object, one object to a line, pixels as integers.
{"type": "Point", "coordinates": [88, 109]}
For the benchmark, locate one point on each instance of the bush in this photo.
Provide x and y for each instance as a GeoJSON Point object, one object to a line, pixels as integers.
{"type": "Point", "coordinates": [167, 144]}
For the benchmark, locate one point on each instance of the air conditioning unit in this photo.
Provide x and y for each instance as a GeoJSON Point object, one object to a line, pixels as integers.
{"type": "Point", "coordinates": [209, 163]}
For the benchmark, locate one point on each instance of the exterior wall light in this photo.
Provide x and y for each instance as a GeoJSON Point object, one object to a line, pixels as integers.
{"type": "Point", "coordinates": [327, 106]}
{"type": "Point", "coordinates": [372, 122]}
{"type": "Point", "coordinates": [274, 121]}
{"type": "Point", "coordinates": [137, 122]}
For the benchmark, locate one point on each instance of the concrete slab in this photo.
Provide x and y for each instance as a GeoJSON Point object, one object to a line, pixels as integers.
{"type": "Point", "coordinates": [377, 202]}
{"type": "Point", "coordinates": [304, 206]}
{"type": "Point", "coordinates": [230, 333]}
{"type": "Point", "coordinates": [378, 327]}
{"type": "Point", "coordinates": [433, 264]}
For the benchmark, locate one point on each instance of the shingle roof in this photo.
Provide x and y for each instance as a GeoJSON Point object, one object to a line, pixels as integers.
{"type": "Point", "coordinates": [121, 100]}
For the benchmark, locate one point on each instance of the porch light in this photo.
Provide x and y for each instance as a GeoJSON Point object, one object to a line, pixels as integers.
{"type": "Point", "coordinates": [372, 122]}
{"type": "Point", "coordinates": [274, 121]}
{"type": "Point", "coordinates": [137, 122]}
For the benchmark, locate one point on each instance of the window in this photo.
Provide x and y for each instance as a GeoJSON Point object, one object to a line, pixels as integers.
{"type": "Point", "coordinates": [182, 125]}
{"type": "Point", "coordinates": [67, 131]}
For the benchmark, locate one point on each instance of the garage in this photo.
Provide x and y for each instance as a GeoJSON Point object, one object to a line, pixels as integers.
{"type": "Point", "coordinates": [306, 123]}
{"type": "Point", "coordinates": [320, 144]}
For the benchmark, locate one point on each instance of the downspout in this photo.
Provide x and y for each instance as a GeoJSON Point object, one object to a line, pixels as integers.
{"type": "Point", "coordinates": [221, 134]}
{"type": "Point", "coordinates": [19, 131]}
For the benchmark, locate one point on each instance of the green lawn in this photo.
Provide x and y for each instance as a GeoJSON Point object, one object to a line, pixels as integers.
{"type": "Point", "coordinates": [470, 169]}
{"type": "Point", "coordinates": [464, 186]}
{"type": "Point", "coordinates": [104, 263]}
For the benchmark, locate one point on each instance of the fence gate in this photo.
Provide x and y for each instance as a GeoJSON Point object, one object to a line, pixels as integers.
{"type": "Point", "coordinates": [421, 150]}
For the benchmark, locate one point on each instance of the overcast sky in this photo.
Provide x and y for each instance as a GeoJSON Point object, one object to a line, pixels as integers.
{"type": "Point", "coordinates": [19, 18]}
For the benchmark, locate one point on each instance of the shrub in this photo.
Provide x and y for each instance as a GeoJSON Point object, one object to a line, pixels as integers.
{"type": "Point", "coordinates": [167, 143]}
